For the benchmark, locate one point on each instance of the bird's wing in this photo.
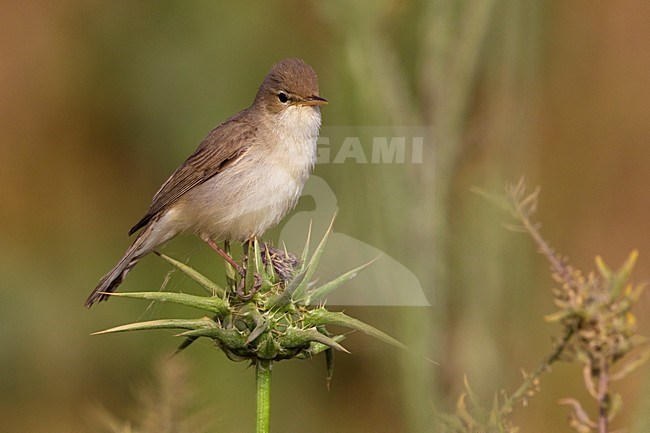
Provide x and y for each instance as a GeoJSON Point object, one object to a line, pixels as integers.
{"type": "Point", "coordinates": [221, 148]}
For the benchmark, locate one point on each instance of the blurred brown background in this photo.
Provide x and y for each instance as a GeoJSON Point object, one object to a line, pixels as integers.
{"type": "Point", "coordinates": [100, 101]}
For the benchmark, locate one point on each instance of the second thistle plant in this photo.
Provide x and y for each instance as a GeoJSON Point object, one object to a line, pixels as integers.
{"type": "Point", "coordinates": [599, 332]}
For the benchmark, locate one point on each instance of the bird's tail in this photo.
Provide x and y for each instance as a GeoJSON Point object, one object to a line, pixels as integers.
{"type": "Point", "coordinates": [110, 281]}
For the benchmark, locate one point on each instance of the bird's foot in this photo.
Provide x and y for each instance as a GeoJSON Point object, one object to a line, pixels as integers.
{"type": "Point", "coordinates": [241, 288]}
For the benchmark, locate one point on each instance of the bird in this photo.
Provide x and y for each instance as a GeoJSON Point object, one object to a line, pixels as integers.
{"type": "Point", "coordinates": [242, 179]}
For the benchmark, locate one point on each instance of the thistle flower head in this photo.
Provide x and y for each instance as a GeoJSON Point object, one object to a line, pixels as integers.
{"type": "Point", "coordinates": [268, 312]}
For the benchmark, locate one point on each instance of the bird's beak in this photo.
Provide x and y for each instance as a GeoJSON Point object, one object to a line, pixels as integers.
{"type": "Point", "coordinates": [314, 100]}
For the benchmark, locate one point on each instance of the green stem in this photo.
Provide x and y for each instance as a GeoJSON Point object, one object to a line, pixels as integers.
{"type": "Point", "coordinates": [263, 383]}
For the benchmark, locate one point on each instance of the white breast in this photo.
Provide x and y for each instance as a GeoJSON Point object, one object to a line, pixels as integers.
{"type": "Point", "coordinates": [255, 193]}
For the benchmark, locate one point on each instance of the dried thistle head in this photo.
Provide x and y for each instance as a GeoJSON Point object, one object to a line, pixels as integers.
{"type": "Point", "coordinates": [283, 262]}
{"type": "Point", "coordinates": [594, 310]}
{"type": "Point", "coordinates": [598, 308]}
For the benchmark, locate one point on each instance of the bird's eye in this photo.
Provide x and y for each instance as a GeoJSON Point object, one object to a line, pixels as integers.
{"type": "Point", "coordinates": [283, 97]}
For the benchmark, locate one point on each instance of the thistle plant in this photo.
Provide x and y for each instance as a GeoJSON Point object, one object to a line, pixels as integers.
{"type": "Point", "coordinates": [269, 310]}
{"type": "Point", "coordinates": [594, 311]}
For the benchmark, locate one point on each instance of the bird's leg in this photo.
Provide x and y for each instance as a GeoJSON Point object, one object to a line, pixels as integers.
{"type": "Point", "coordinates": [225, 255]}
{"type": "Point", "coordinates": [231, 272]}
{"type": "Point", "coordinates": [247, 288]}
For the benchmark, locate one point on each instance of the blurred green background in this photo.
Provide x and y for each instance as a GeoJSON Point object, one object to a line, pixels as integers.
{"type": "Point", "coordinates": [100, 101]}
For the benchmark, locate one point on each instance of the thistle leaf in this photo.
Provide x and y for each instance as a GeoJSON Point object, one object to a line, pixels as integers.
{"type": "Point", "coordinates": [209, 286]}
{"type": "Point", "coordinates": [305, 250]}
{"type": "Point", "coordinates": [329, 362]}
{"type": "Point", "coordinates": [268, 348]}
{"type": "Point", "coordinates": [269, 270]}
{"type": "Point", "coordinates": [281, 300]}
{"type": "Point", "coordinates": [213, 304]}
{"type": "Point", "coordinates": [315, 348]}
{"type": "Point", "coordinates": [321, 316]}
{"type": "Point", "coordinates": [230, 338]}
{"type": "Point", "coordinates": [327, 288]}
{"type": "Point", "coordinates": [252, 267]}
{"type": "Point", "coordinates": [185, 344]}
{"type": "Point", "coordinates": [313, 263]}
{"type": "Point", "coordinates": [193, 324]}
{"type": "Point", "coordinates": [296, 337]}
{"type": "Point", "coordinates": [261, 325]}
